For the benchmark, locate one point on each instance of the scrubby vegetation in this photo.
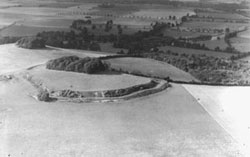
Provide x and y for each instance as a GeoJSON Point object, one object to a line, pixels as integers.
{"type": "Point", "coordinates": [76, 64]}
{"type": "Point", "coordinates": [31, 43]}
{"type": "Point", "coordinates": [108, 93]}
{"type": "Point", "coordinates": [207, 69]}
{"type": "Point", "coordinates": [43, 95]}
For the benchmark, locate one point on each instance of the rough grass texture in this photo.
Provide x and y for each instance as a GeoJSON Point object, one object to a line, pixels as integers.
{"type": "Point", "coordinates": [107, 93]}
{"type": "Point", "coordinates": [149, 68]}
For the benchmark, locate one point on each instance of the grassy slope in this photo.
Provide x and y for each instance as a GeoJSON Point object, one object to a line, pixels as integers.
{"type": "Point", "coordinates": [229, 106]}
{"type": "Point", "coordinates": [170, 123]}
{"type": "Point", "coordinates": [151, 67]}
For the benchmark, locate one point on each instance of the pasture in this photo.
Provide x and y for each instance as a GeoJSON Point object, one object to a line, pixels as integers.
{"type": "Point", "coordinates": [241, 44]}
{"type": "Point", "coordinates": [214, 25]}
{"type": "Point", "coordinates": [21, 30]}
{"type": "Point", "coordinates": [222, 15]}
{"type": "Point", "coordinates": [212, 44]}
{"type": "Point", "coordinates": [149, 67]}
{"type": "Point", "coordinates": [177, 34]}
{"type": "Point", "coordinates": [61, 80]}
{"type": "Point", "coordinates": [163, 13]}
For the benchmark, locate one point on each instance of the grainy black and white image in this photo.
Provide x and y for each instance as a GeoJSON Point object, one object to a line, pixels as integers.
{"type": "Point", "coordinates": [124, 78]}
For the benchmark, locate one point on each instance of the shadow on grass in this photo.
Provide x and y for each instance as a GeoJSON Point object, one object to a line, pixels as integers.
{"type": "Point", "coordinates": [108, 73]}
{"type": "Point", "coordinates": [52, 100]}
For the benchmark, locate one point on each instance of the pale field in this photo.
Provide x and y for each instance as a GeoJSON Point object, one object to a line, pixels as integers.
{"type": "Point", "coordinates": [7, 19]}
{"type": "Point", "coordinates": [61, 80]}
{"type": "Point", "coordinates": [46, 22]}
{"type": "Point", "coordinates": [155, 13]}
{"type": "Point", "coordinates": [229, 106]}
{"type": "Point", "coordinates": [42, 16]}
{"type": "Point", "coordinates": [35, 11]}
{"type": "Point", "coordinates": [22, 30]}
{"type": "Point", "coordinates": [150, 67]}
{"type": "Point", "coordinates": [176, 34]}
{"type": "Point", "coordinates": [222, 15]}
{"type": "Point", "coordinates": [136, 22]}
{"type": "Point", "coordinates": [196, 52]}
{"type": "Point", "coordinates": [13, 58]}
{"type": "Point", "coordinates": [170, 123]}
{"type": "Point", "coordinates": [212, 44]}
{"type": "Point", "coordinates": [245, 34]}
{"type": "Point", "coordinates": [241, 44]}
{"type": "Point", "coordinates": [215, 25]}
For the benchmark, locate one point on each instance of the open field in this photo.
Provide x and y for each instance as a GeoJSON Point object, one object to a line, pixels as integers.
{"type": "Point", "coordinates": [180, 121]}
{"type": "Point", "coordinates": [222, 15]}
{"type": "Point", "coordinates": [108, 47]}
{"type": "Point", "coordinates": [46, 22]}
{"type": "Point", "coordinates": [245, 34]}
{"type": "Point", "coordinates": [14, 58]}
{"type": "Point", "coordinates": [169, 123]}
{"type": "Point", "coordinates": [176, 34]}
{"type": "Point", "coordinates": [241, 44]}
{"type": "Point", "coordinates": [59, 80]}
{"type": "Point", "coordinates": [21, 30]}
{"type": "Point", "coordinates": [164, 13]}
{"type": "Point", "coordinates": [212, 44]}
{"type": "Point", "coordinates": [150, 67]}
{"type": "Point", "coordinates": [229, 107]}
{"type": "Point", "coordinates": [214, 25]}
{"type": "Point", "coordinates": [197, 52]}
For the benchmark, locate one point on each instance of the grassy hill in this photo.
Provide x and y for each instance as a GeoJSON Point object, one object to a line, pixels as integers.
{"type": "Point", "coordinates": [149, 67]}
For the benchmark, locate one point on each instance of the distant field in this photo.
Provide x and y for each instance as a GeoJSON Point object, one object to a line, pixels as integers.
{"type": "Point", "coordinates": [7, 19]}
{"type": "Point", "coordinates": [197, 52]}
{"type": "Point", "coordinates": [150, 67]}
{"type": "Point", "coordinates": [212, 44]}
{"type": "Point", "coordinates": [38, 11]}
{"type": "Point", "coordinates": [20, 30]}
{"type": "Point", "coordinates": [241, 44]}
{"type": "Point", "coordinates": [165, 13]}
{"type": "Point", "coordinates": [214, 25]}
{"type": "Point", "coordinates": [46, 22]}
{"type": "Point", "coordinates": [108, 47]}
{"type": "Point", "coordinates": [222, 15]}
{"type": "Point", "coordinates": [59, 80]}
{"type": "Point", "coordinates": [177, 34]}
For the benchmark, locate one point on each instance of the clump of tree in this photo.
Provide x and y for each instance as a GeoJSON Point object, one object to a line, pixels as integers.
{"type": "Point", "coordinates": [82, 40]}
{"type": "Point", "coordinates": [43, 95]}
{"type": "Point", "coordinates": [75, 64]}
{"type": "Point", "coordinates": [78, 24]}
{"type": "Point", "coordinates": [31, 43]}
{"type": "Point", "coordinates": [108, 26]}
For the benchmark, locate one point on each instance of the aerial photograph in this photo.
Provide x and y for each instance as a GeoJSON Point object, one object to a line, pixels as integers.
{"type": "Point", "coordinates": [125, 78]}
